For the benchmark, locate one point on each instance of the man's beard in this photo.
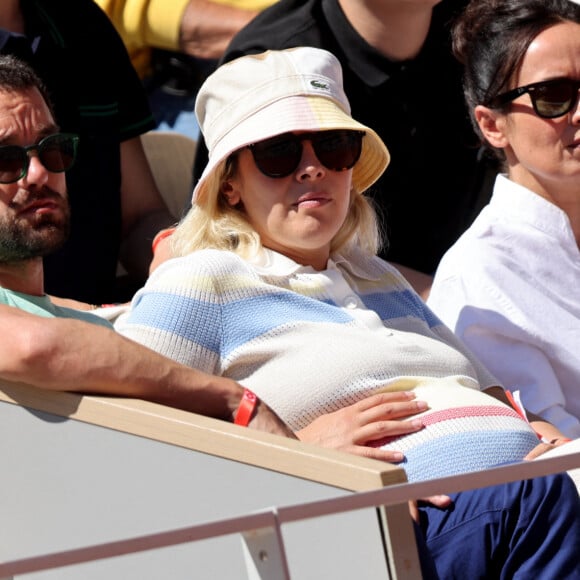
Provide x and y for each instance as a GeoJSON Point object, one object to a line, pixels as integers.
{"type": "Point", "coordinates": [36, 235]}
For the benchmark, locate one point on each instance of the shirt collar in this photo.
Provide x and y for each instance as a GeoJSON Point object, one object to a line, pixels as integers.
{"type": "Point", "coordinates": [513, 201]}
{"type": "Point", "coordinates": [271, 263]}
{"type": "Point", "coordinates": [369, 64]}
{"type": "Point", "coordinates": [366, 62]}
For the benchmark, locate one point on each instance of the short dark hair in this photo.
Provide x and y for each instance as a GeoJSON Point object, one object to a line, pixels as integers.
{"type": "Point", "coordinates": [17, 75]}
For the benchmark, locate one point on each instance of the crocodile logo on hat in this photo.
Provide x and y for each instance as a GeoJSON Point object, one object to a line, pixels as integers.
{"type": "Point", "coordinates": [319, 85]}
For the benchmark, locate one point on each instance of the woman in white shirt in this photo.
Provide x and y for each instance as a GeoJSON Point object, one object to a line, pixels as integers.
{"type": "Point", "coordinates": [509, 287]}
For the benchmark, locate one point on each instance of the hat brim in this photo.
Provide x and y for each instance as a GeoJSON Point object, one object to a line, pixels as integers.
{"type": "Point", "coordinates": [300, 113]}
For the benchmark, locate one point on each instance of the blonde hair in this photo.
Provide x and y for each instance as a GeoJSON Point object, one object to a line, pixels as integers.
{"type": "Point", "coordinates": [213, 223]}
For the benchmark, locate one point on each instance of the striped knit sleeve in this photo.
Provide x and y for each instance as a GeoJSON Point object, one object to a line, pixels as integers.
{"type": "Point", "coordinates": [178, 312]}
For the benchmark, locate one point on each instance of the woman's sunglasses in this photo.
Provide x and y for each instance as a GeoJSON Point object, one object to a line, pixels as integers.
{"type": "Point", "coordinates": [280, 156]}
{"type": "Point", "coordinates": [550, 99]}
{"type": "Point", "coordinates": [56, 152]}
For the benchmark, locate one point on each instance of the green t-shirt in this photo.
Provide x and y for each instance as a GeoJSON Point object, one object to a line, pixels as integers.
{"type": "Point", "coordinates": [42, 306]}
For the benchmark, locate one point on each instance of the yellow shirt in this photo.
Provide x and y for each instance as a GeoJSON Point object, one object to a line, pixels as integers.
{"type": "Point", "coordinates": [145, 24]}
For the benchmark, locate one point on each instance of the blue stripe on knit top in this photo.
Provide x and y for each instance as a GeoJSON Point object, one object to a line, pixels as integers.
{"type": "Point", "coordinates": [242, 320]}
{"type": "Point", "coordinates": [399, 305]}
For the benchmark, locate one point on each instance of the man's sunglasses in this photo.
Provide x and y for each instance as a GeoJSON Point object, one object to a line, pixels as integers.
{"type": "Point", "coordinates": [550, 99]}
{"type": "Point", "coordinates": [56, 152]}
{"type": "Point", "coordinates": [280, 156]}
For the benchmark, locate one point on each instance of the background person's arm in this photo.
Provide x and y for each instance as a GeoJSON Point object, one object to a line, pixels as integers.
{"type": "Point", "coordinates": [207, 27]}
{"type": "Point", "coordinates": [143, 209]}
{"type": "Point", "coordinates": [199, 28]}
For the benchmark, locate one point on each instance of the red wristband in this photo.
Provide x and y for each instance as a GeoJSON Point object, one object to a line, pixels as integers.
{"type": "Point", "coordinates": [161, 236]}
{"type": "Point", "coordinates": [246, 408]}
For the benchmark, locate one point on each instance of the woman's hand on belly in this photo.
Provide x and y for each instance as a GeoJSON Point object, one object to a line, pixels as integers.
{"type": "Point", "coordinates": [353, 428]}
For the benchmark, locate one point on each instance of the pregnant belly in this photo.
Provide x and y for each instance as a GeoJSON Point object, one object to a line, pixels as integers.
{"type": "Point", "coordinates": [464, 430]}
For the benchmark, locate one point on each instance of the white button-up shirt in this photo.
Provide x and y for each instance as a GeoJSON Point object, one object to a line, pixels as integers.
{"type": "Point", "coordinates": [510, 288]}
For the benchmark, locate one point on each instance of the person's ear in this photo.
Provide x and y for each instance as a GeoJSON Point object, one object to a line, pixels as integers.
{"type": "Point", "coordinates": [231, 194]}
{"type": "Point", "coordinates": [492, 126]}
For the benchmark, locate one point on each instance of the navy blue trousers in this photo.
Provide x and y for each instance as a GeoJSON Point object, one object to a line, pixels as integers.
{"type": "Point", "coordinates": [522, 530]}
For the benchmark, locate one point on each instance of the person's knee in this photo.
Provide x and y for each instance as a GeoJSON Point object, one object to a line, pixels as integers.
{"type": "Point", "coordinates": [553, 490]}
{"type": "Point", "coordinates": [513, 526]}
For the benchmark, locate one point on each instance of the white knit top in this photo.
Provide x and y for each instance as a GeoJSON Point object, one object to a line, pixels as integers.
{"type": "Point", "coordinates": [309, 342]}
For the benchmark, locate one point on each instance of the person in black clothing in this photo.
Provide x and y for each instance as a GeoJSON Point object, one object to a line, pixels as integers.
{"type": "Point", "coordinates": [402, 80]}
{"type": "Point", "coordinates": [96, 93]}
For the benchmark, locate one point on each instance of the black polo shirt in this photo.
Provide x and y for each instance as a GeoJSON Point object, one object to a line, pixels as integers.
{"type": "Point", "coordinates": [437, 179]}
{"type": "Point", "coordinates": [96, 93]}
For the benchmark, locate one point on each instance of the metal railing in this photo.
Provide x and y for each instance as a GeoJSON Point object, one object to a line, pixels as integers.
{"type": "Point", "coordinates": [261, 531]}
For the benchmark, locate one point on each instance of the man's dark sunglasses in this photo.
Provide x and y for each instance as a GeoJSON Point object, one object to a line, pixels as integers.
{"type": "Point", "coordinates": [550, 99]}
{"type": "Point", "coordinates": [280, 156]}
{"type": "Point", "coordinates": [56, 152]}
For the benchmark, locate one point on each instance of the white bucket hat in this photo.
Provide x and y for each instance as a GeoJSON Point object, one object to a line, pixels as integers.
{"type": "Point", "coordinates": [256, 97]}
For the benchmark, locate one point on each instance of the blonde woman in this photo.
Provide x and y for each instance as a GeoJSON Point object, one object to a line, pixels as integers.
{"type": "Point", "coordinates": [276, 284]}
